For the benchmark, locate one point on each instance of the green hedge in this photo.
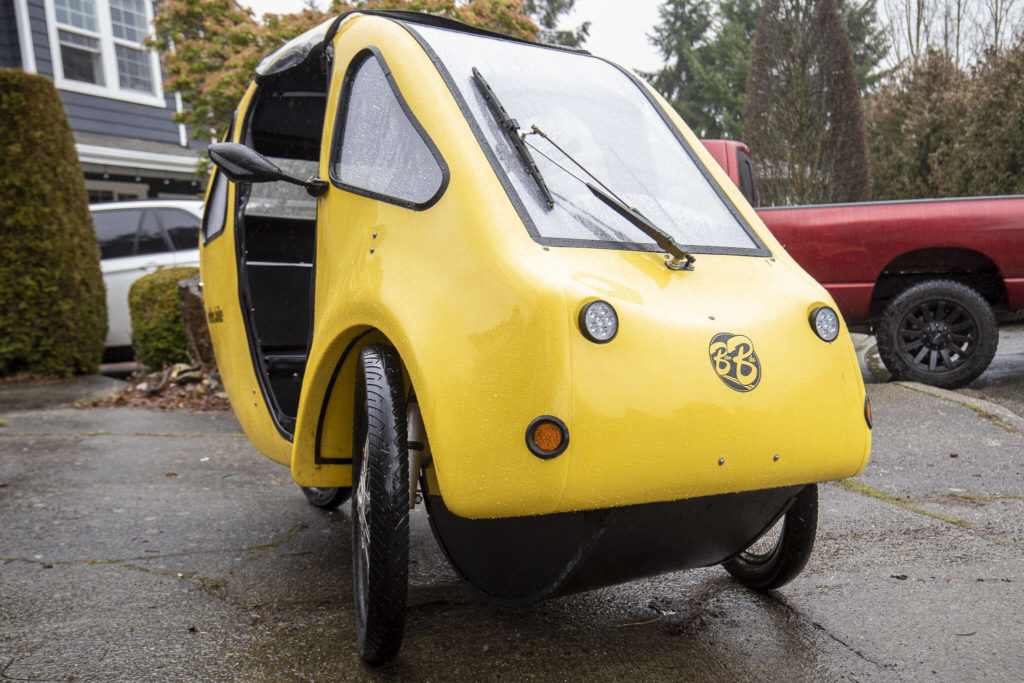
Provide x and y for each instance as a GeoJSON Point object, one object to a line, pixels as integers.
{"type": "Point", "coordinates": [157, 330]}
{"type": "Point", "coordinates": [53, 316]}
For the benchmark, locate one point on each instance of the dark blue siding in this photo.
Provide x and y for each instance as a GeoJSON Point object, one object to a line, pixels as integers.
{"type": "Point", "coordinates": [40, 39]}
{"type": "Point", "coordinates": [91, 114]}
{"type": "Point", "coordinates": [10, 52]}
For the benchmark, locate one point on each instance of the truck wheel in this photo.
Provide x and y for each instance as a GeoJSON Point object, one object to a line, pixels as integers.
{"type": "Point", "coordinates": [779, 555]}
{"type": "Point", "coordinates": [328, 498]}
{"type": "Point", "coordinates": [938, 332]}
{"type": "Point", "coordinates": [380, 505]}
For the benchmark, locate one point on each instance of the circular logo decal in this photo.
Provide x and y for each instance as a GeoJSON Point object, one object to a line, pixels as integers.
{"type": "Point", "coordinates": [734, 360]}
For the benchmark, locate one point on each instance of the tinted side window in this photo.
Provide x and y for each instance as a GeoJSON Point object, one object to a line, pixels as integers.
{"type": "Point", "coordinates": [151, 237]}
{"type": "Point", "coordinates": [747, 184]}
{"type": "Point", "coordinates": [116, 231]}
{"type": "Point", "coordinates": [216, 208]}
{"type": "Point", "coordinates": [381, 150]}
{"type": "Point", "coordinates": [181, 227]}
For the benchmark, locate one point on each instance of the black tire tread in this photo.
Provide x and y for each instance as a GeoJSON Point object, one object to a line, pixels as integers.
{"type": "Point", "coordinates": [387, 578]}
{"type": "Point", "coordinates": [888, 327]}
{"type": "Point", "coordinates": [326, 498]}
{"type": "Point", "coordinates": [792, 551]}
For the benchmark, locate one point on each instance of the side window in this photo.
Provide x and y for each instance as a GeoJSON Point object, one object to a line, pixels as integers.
{"type": "Point", "coordinates": [380, 149]}
{"type": "Point", "coordinates": [116, 231]}
{"type": "Point", "coordinates": [747, 184]}
{"type": "Point", "coordinates": [216, 208]}
{"type": "Point", "coordinates": [181, 227]}
{"type": "Point", "coordinates": [151, 237]}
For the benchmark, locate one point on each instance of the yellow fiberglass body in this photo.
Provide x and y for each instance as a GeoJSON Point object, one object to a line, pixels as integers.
{"type": "Point", "coordinates": [508, 277]}
{"type": "Point", "coordinates": [715, 381]}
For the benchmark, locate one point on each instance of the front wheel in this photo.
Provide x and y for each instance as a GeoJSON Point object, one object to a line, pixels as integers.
{"type": "Point", "coordinates": [938, 332]}
{"type": "Point", "coordinates": [380, 505]}
{"type": "Point", "coordinates": [779, 555]}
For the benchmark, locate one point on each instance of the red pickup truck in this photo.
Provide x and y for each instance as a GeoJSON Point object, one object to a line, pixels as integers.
{"type": "Point", "coordinates": [931, 277]}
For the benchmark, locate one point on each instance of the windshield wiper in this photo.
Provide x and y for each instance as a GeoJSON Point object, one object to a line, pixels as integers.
{"type": "Point", "coordinates": [679, 258]}
{"type": "Point", "coordinates": [511, 128]}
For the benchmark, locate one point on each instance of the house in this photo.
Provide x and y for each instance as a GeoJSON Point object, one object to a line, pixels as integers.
{"type": "Point", "coordinates": [111, 86]}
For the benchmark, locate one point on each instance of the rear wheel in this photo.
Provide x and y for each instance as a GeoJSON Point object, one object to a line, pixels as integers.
{"type": "Point", "coordinates": [938, 332]}
{"type": "Point", "coordinates": [779, 555]}
{"type": "Point", "coordinates": [380, 505]}
{"type": "Point", "coordinates": [326, 498]}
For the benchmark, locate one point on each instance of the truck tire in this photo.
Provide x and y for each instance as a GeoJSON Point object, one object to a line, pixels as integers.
{"type": "Point", "coordinates": [328, 498]}
{"type": "Point", "coordinates": [380, 505]}
{"type": "Point", "coordinates": [779, 554]}
{"type": "Point", "coordinates": [938, 332]}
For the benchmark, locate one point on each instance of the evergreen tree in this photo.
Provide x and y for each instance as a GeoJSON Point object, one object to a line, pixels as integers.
{"type": "Point", "coordinates": [803, 114]}
{"type": "Point", "coordinates": [681, 37]}
{"type": "Point", "coordinates": [706, 48]}
{"type": "Point", "coordinates": [917, 131]}
{"type": "Point", "coordinates": [546, 14]}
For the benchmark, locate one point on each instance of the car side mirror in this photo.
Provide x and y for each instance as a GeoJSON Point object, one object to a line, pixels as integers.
{"type": "Point", "coordinates": [243, 164]}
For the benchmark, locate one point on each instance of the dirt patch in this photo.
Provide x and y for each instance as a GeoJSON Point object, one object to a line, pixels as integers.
{"type": "Point", "coordinates": [178, 387]}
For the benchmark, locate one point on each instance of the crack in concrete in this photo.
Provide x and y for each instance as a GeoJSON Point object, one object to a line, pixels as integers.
{"type": "Point", "coordinates": [781, 601]}
{"type": "Point", "coordinates": [905, 503]}
{"type": "Point", "coordinates": [262, 550]}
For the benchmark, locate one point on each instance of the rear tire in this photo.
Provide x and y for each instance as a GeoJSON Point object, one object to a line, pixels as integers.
{"type": "Point", "coordinates": [326, 498]}
{"type": "Point", "coordinates": [380, 505]}
{"type": "Point", "coordinates": [779, 555]}
{"type": "Point", "coordinates": [939, 332]}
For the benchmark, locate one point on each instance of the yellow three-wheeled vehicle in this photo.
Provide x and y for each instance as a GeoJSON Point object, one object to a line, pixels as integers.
{"type": "Point", "coordinates": [507, 277]}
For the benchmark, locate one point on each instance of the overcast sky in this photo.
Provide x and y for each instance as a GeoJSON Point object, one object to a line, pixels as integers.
{"type": "Point", "coordinates": [618, 35]}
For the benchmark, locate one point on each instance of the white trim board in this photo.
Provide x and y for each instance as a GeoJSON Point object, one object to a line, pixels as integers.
{"type": "Point", "coordinates": [127, 158]}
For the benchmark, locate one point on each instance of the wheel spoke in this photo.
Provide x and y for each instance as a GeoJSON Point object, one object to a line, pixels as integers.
{"type": "Point", "coordinates": [921, 354]}
{"type": "Point", "coordinates": [932, 358]}
{"type": "Point", "coordinates": [946, 359]}
{"type": "Point", "coordinates": [916, 344]}
{"type": "Point", "coordinates": [363, 501]}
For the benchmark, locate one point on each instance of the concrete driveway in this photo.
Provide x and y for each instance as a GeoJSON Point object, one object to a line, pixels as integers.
{"type": "Point", "coordinates": [149, 546]}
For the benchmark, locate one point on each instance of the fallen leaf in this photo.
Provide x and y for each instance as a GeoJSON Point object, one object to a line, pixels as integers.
{"type": "Point", "coordinates": [171, 474]}
{"type": "Point", "coordinates": [898, 577]}
{"type": "Point", "coordinates": [954, 455]}
{"type": "Point", "coordinates": [192, 629]}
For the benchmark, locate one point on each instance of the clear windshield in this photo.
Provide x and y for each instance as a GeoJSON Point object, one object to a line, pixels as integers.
{"type": "Point", "coordinates": [600, 117]}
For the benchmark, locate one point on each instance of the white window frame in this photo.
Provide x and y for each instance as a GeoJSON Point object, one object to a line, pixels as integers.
{"type": "Point", "coordinates": [108, 55]}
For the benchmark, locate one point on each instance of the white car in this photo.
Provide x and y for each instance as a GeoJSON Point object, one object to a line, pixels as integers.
{"type": "Point", "coordinates": [137, 238]}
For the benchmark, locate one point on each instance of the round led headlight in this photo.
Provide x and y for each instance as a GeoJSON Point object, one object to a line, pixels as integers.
{"type": "Point", "coordinates": [599, 322]}
{"type": "Point", "coordinates": [825, 323]}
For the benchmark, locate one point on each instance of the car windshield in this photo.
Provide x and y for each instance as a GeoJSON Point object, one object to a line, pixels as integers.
{"type": "Point", "coordinates": [601, 117]}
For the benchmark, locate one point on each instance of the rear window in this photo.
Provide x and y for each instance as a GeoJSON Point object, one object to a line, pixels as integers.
{"type": "Point", "coordinates": [181, 227]}
{"type": "Point", "coordinates": [116, 231]}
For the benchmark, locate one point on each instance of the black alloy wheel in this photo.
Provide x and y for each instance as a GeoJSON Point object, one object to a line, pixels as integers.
{"type": "Point", "coordinates": [938, 332]}
{"type": "Point", "coordinates": [777, 556]}
{"type": "Point", "coordinates": [326, 498]}
{"type": "Point", "coordinates": [380, 505]}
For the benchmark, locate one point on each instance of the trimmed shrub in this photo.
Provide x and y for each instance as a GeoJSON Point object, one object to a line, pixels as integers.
{"type": "Point", "coordinates": [156, 317]}
{"type": "Point", "coordinates": [53, 314]}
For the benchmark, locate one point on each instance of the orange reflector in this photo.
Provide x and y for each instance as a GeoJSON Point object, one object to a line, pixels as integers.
{"type": "Point", "coordinates": [547, 436]}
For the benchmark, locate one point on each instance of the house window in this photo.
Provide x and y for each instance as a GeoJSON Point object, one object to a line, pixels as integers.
{"type": "Point", "coordinates": [99, 49]}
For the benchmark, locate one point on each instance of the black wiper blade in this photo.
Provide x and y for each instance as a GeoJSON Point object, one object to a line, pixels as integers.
{"type": "Point", "coordinates": [681, 259]}
{"type": "Point", "coordinates": [511, 128]}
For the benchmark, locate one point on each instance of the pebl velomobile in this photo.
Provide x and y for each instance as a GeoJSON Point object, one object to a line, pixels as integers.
{"type": "Point", "coordinates": [506, 279]}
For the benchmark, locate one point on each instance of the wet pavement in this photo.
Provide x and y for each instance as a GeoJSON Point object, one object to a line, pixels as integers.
{"type": "Point", "coordinates": [160, 546]}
